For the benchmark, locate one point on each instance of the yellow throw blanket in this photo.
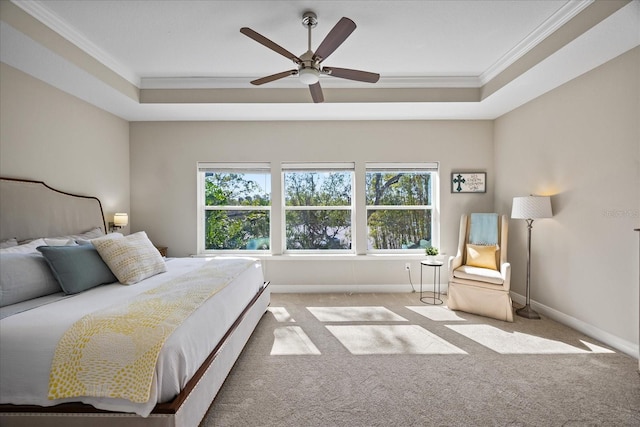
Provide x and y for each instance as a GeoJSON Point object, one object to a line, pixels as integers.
{"type": "Point", "coordinates": [113, 352]}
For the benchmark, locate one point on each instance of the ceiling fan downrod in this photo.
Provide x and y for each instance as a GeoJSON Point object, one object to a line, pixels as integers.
{"type": "Point", "coordinates": [308, 69]}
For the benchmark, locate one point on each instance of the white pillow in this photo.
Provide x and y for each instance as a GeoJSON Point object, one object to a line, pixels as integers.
{"type": "Point", "coordinates": [31, 246]}
{"type": "Point", "coordinates": [9, 243]}
{"type": "Point", "coordinates": [24, 276]}
{"type": "Point", "coordinates": [88, 241]}
{"type": "Point", "coordinates": [59, 242]}
{"type": "Point", "coordinates": [91, 234]}
{"type": "Point", "coordinates": [24, 249]}
{"type": "Point", "coordinates": [94, 233]}
{"type": "Point", "coordinates": [131, 258]}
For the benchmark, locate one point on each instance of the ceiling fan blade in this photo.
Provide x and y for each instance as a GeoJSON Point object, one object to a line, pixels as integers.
{"type": "Point", "coordinates": [268, 43]}
{"type": "Point", "coordinates": [316, 93]}
{"type": "Point", "coordinates": [346, 73]}
{"type": "Point", "coordinates": [336, 36]}
{"type": "Point", "coordinates": [273, 77]}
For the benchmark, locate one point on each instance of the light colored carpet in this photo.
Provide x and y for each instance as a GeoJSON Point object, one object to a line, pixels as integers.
{"type": "Point", "coordinates": [389, 360]}
{"type": "Point", "coordinates": [292, 340]}
{"type": "Point", "coordinates": [355, 314]}
{"type": "Point", "coordinates": [391, 339]}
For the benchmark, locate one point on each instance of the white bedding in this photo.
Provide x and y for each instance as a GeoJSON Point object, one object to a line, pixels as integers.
{"type": "Point", "coordinates": [28, 339]}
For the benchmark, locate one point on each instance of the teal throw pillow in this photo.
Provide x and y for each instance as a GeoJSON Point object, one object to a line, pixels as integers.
{"type": "Point", "coordinates": [77, 268]}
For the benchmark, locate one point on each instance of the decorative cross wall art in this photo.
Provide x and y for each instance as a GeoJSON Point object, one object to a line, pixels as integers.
{"type": "Point", "coordinates": [468, 182]}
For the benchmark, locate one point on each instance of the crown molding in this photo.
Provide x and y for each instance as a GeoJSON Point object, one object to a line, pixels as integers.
{"type": "Point", "coordinates": [37, 9]}
{"type": "Point", "coordinates": [555, 21]}
{"type": "Point", "coordinates": [243, 82]}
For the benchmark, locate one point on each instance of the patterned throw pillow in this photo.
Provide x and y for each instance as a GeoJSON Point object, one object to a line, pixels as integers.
{"type": "Point", "coordinates": [131, 258]}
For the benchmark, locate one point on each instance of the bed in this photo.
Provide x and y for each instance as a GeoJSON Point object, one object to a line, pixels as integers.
{"type": "Point", "coordinates": [225, 299]}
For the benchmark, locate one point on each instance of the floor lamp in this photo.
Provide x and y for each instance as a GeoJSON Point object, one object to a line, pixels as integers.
{"type": "Point", "coordinates": [530, 208]}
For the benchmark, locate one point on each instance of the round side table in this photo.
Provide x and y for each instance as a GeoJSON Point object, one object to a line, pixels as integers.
{"type": "Point", "coordinates": [435, 298]}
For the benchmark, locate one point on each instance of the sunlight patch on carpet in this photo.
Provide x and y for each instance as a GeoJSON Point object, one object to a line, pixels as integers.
{"type": "Point", "coordinates": [281, 314]}
{"type": "Point", "coordinates": [596, 348]}
{"type": "Point", "coordinates": [504, 342]}
{"type": "Point", "coordinates": [437, 313]}
{"type": "Point", "coordinates": [291, 340]}
{"type": "Point", "coordinates": [391, 339]}
{"type": "Point", "coordinates": [355, 314]}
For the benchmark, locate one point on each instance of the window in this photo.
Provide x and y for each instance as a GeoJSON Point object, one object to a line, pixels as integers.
{"type": "Point", "coordinates": [400, 206]}
{"type": "Point", "coordinates": [236, 207]}
{"type": "Point", "coordinates": [318, 206]}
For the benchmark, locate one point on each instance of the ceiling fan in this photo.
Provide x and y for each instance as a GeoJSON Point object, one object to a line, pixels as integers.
{"type": "Point", "coordinates": [309, 63]}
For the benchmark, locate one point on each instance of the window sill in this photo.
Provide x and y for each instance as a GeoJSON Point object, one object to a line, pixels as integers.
{"type": "Point", "coordinates": [326, 257]}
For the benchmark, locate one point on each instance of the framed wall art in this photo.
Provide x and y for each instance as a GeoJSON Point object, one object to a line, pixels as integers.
{"type": "Point", "coordinates": [468, 182]}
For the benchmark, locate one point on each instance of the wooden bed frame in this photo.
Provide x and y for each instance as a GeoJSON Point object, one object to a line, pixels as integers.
{"type": "Point", "coordinates": [186, 409]}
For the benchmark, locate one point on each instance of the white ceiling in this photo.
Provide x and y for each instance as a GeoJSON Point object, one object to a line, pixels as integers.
{"type": "Point", "coordinates": [417, 44]}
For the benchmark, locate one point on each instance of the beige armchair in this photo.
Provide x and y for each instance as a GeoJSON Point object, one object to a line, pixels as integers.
{"type": "Point", "coordinates": [479, 274]}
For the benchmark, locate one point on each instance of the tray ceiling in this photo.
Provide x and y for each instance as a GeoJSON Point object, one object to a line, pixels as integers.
{"type": "Point", "coordinates": [187, 60]}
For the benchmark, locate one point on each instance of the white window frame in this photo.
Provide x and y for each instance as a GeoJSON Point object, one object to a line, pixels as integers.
{"type": "Point", "coordinates": [229, 167]}
{"type": "Point", "coordinates": [319, 167]}
{"type": "Point", "coordinates": [434, 207]}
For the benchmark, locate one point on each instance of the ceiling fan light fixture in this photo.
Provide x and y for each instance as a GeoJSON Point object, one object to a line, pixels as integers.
{"type": "Point", "coordinates": [308, 64]}
{"type": "Point", "coordinates": [309, 76]}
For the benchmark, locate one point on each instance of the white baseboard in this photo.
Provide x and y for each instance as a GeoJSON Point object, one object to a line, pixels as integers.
{"type": "Point", "coordinates": [353, 289]}
{"type": "Point", "coordinates": [618, 343]}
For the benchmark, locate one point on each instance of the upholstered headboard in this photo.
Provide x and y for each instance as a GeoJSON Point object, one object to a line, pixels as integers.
{"type": "Point", "coordinates": [32, 209]}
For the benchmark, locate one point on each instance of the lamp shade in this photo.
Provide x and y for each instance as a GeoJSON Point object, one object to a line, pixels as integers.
{"type": "Point", "coordinates": [531, 207]}
{"type": "Point", "coordinates": [120, 219]}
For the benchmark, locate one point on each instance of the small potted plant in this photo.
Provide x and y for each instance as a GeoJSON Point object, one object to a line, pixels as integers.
{"type": "Point", "coordinates": [431, 253]}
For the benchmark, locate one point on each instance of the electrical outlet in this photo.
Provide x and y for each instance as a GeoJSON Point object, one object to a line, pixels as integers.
{"type": "Point", "coordinates": [407, 266]}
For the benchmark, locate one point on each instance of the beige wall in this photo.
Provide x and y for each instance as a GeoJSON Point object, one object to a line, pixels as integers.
{"type": "Point", "coordinates": [581, 144]}
{"type": "Point", "coordinates": [50, 136]}
{"type": "Point", "coordinates": [163, 178]}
